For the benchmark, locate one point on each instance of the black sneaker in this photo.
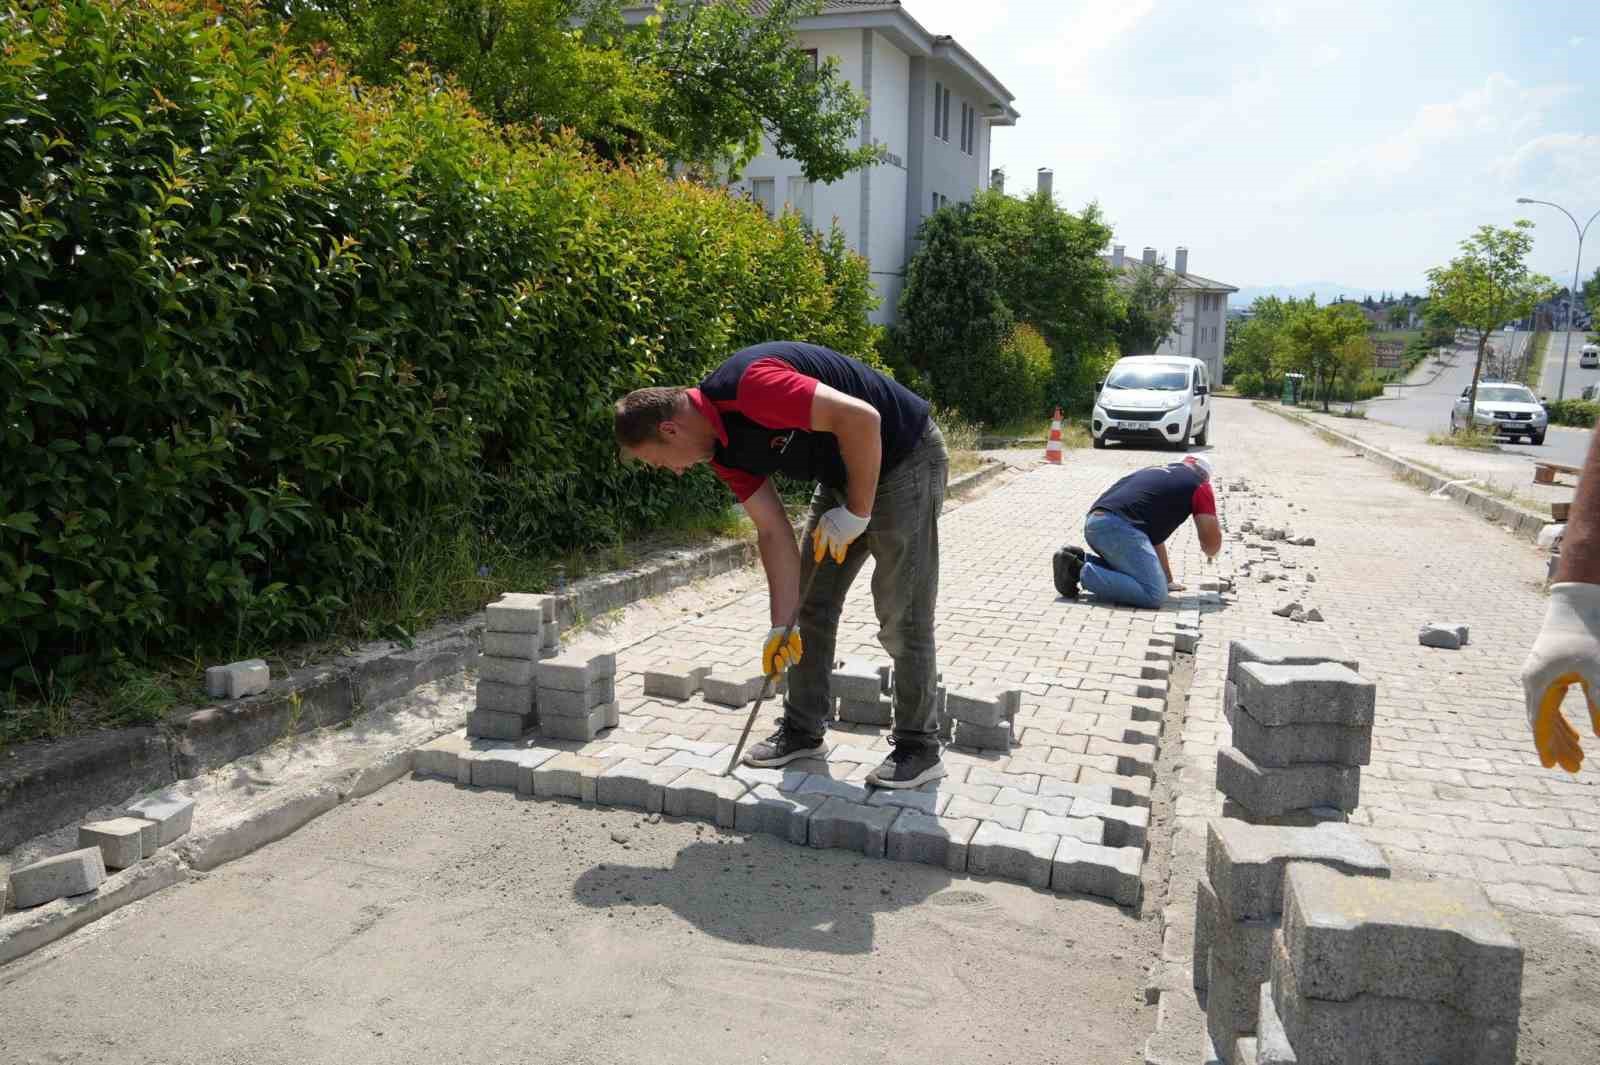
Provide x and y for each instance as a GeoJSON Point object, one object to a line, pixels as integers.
{"type": "Point", "coordinates": [908, 766]}
{"type": "Point", "coordinates": [783, 747]}
{"type": "Point", "coordinates": [1066, 565]}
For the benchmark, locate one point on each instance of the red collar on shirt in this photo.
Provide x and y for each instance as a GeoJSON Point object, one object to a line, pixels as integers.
{"type": "Point", "coordinates": [710, 413]}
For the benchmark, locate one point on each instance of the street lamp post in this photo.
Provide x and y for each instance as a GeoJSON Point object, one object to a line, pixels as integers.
{"type": "Point", "coordinates": [1572, 299]}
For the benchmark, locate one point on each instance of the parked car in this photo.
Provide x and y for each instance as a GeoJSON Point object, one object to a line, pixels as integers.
{"type": "Point", "coordinates": [1503, 409]}
{"type": "Point", "coordinates": [1163, 399]}
{"type": "Point", "coordinates": [1589, 357]}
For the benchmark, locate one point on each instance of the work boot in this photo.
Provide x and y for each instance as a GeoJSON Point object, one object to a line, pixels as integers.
{"type": "Point", "coordinates": [783, 747]}
{"type": "Point", "coordinates": [1067, 564]}
{"type": "Point", "coordinates": [908, 765]}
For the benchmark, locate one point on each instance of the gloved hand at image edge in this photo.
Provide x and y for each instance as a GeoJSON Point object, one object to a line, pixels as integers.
{"type": "Point", "coordinates": [836, 531]}
{"type": "Point", "coordinates": [1566, 652]}
{"type": "Point", "coordinates": [778, 653]}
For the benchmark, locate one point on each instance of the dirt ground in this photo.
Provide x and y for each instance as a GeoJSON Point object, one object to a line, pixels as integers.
{"type": "Point", "coordinates": [430, 922]}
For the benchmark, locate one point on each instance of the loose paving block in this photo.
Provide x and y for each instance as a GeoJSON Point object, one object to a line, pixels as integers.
{"type": "Point", "coordinates": [1279, 653]}
{"type": "Point", "coordinates": [575, 728]}
{"type": "Point", "coordinates": [1300, 743]}
{"type": "Point", "coordinates": [1011, 854]}
{"type": "Point", "coordinates": [632, 783]}
{"type": "Point", "coordinates": [571, 673]}
{"type": "Point", "coordinates": [494, 725]}
{"type": "Point", "coordinates": [1378, 1030]}
{"type": "Point", "coordinates": [174, 813]}
{"type": "Point", "coordinates": [611, 713]}
{"type": "Point", "coordinates": [505, 698]}
{"type": "Point", "coordinates": [217, 677]}
{"type": "Point", "coordinates": [726, 689]}
{"type": "Point", "coordinates": [1087, 829]}
{"type": "Point", "coordinates": [121, 840]}
{"type": "Point", "coordinates": [1243, 946]}
{"type": "Point", "coordinates": [1326, 693]}
{"type": "Point", "coordinates": [984, 739]}
{"type": "Point", "coordinates": [1433, 941]}
{"type": "Point", "coordinates": [517, 671]}
{"type": "Point", "coordinates": [840, 824]}
{"type": "Point", "coordinates": [879, 711]}
{"type": "Point", "coordinates": [858, 682]}
{"type": "Point", "coordinates": [1443, 636]}
{"type": "Point", "coordinates": [931, 802]}
{"type": "Point", "coordinates": [766, 809]}
{"type": "Point", "coordinates": [568, 776]}
{"type": "Point", "coordinates": [1245, 863]}
{"type": "Point", "coordinates": [554, 702]}
{"type": "Point", "coordinates": [250, 677]}
{"type": "Point", "coordinates": [519, 612]}
{"type": "Point", "coordinates": [438, 757]}
{"type": "Point", "coordinates": [920, 837]}
{"type": "Point", "coordinates": [1125, 826]}
{"type": "Point", "coordinates": [510, 768]}
{"type": "Point", "coordinates": [512, 644]}
{"type": "Point", "coordinates": [678, 680]}
{"type": "Point", "coordinates": [1271, 1042]}
{"type": "Point", "coordinates": [1271, 790]}
{"type": "Point", "coordinates": [1232, 1002]}
{"type": "Point", "coordinates": [72, 873]}
{"type": "Point", "coordinates": [708, 796]}
{"type": "Point", "coordinates": [988, 706]}
{"type": "Point", "coordinates": [1092, 869]}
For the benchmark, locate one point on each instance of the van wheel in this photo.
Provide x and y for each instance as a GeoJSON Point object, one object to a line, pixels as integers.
{"type": "Point", "coordinates": [1205, 433]}
{"type": "Point", "coordinates": [1099, 443]}
{"type": "Point", "coordinates": [1182, 443]}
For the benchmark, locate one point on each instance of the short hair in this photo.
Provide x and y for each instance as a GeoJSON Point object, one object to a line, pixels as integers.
{"type": "Point", "coordinates": [639, 414]}
{"type": "Point", "coordinates": [1202, 465]}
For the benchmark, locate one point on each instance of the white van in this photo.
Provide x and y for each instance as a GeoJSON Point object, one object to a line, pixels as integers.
{"type": "Point", "coordinates": [1589, 357]}
{"type": "Point", "coordinates": [1156, 398]}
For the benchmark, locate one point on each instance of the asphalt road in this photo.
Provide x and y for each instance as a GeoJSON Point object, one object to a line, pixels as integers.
{"type": "Point", "coordinates": [1577, 378]}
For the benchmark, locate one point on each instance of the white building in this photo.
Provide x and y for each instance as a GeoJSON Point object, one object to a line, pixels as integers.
{"type": "Point", "coordinates": [931, 106]}
{"type": "Point", "coordinates": [1201, 321]}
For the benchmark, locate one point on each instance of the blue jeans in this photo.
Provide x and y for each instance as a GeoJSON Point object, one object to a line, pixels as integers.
{"type": "Point", "coordinates": [1124, 567]}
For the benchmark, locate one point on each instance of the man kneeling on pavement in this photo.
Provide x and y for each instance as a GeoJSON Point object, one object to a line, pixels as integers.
{"type": "Point", "coordinates": [879, 465]}
{"type": "Point", "coordinates": [1127, 529]}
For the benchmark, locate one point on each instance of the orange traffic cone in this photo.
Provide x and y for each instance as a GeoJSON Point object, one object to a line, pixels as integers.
{"type": "Point", "coordinates": [1052, 448]}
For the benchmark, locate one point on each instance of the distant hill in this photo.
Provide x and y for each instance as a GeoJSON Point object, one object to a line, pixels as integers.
{"type": "Point", "coordinates": [1325, 291]}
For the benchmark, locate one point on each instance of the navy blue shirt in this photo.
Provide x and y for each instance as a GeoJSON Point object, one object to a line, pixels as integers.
{"type": "Point", "coordinates": [1158, 500]}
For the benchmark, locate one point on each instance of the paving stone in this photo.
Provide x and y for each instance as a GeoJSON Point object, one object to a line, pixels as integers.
{"type": "Point", "coordinates": [121, 840]}
{"type": "Point", "coordinates": [1443, 636]}
{"type": "Point", "coordinates": [1232, 1001]}
{"type": "Point", "coordinates": [922, 799]}
{"type": "Point", "coordinates": [1087, 829]}
{"type": "Point", "coordinates": [856, 682]}
{"type": "Point", "coordinates": [879, 711]}
{"type": "Point", "coordinates": [493, 725]}
{"type": "Point", "coordinates": [512, 644]}
{"type": "Point", "coordinates": [832, 787]}
{"type": "Point", "coordinates": [1271, 1044]}
{"type": "Point", "coordinates": [1092, 869]}
{"type": "Point", "coordinates": [505, 698]}
{"type": "Point", "coordinates": [217, 676]}
{"type": "Point", "coordinates": [438, 757]}
{"type": "Point", "coordinates": [1125, 790]}
{"type": "Point", "coordinates": [700, 747]}
{"type": "Point", "coordinates": [556, 727]}
{"type": "Point", "coordinates": [1378, 1030]}
{"type": "Point", "coordinates": [861, 755]}
{"type": "Point", "coordinates": [1004, 816]}
{"type": "Point", "coordinates": [509, 767]}
{"type": "Point", "coordinates": [1243, 946]}
{"type": "Point", "coordinates": [1011, 854]}
{"type": "Point", "coordinates": [677, 680]}
{"type": "Point", "coordinates": [72, 873]}
{"type": "Point", "coordinates": [611, 714]}
{"type": "Point", "coordinates": [727, 689]}
{"type": "Point", "coordinates": [517, 671]}
{"type": "Point", "coordinates": [1054, 805]}
{"type": "Point", "coordinates": [519, 612]}
{"type": "Point", "coordinates": [766, 809]}
{"type": "Point", "coordinates": [840, 824]}
{"type": "Point", "coordinates": [573, 673]}
{"type": "Point", "coordinates": [713, 764]}
{"type": "Point", "coordinates": [251, 677]}
{"type": "Point", "coordinates": [984, 739]}
{"type": "Point", "coordinates": [1126, 826]}
{"type": "Point", "coordinates": [704, 795]}
{"type": "Point", "coordinates": [1433, 941]}
{"type": "Point", "coordinates": [632, 783]}
{"type": "Point", "coordinates": [149, 840]}
{"type": "Point", "coordinates": [1324, 693]}
{"type": "Point", "coordinates": [568, 776]}
{"type": "Point", "coordinates": [988, 705]}
{"type": "Point", "coordinates": [1133, 759]}
{"type": "Point", "coordinates": [1299, 743]}
{"type": "Point", "coordinates": [1269, 790]}
{"type": "Point", "coordinates": [555, 702]}
{"type": "Point", "coordinates": [916, 836]}
{"type": "Point", "coordinates": [1245, 863]}
{"type": "Point", "coordinates": [174, 813]}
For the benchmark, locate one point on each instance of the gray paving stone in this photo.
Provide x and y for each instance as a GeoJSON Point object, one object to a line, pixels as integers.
{"type": "Point", "coordinates": [1271, 1041]}
{"type": "Point", "coordinates": [860, 755]}
{"type": "Point", "coordinates": [1125, 790]}
{"type": "Point", "coordinates": [217, 676]}
{"type": "Point", "coordinates": [1054, 805]}
{"type": "Point", "coordinates": [251, 677]}
{"type": "Point", "coordinates": [556, 702]}
{"type": "Point", "coordinates": [1270, 790]}
{"type": "Point", "coordinates": [713, 764]}
{"type": "Point", "coordinates": [493, 725]}
{"type": "Point", "coordinates": [1092, 869]}
{"type": "Point", "coordinates": [149, 840]}
{"type": "Point", "coordinates": [1087, 829]}
{"type": "Point", "coordinates": [174, 813]}
{"type": "Point", "coordinates": [512, 644]}
{"type": "Point", "coordinates": [987, 706]}
{"type": "Point", "coordinates": [1242, 946]}
{"type": "Point", "coordinates": [568, 776]}
{"type": "Point", "coordinates": [704, 795]}
{"type": "Point", "coordinates": [678, 680]}
{"type": "Point", "coordinates": [573, 673]}
{"type": "Point", "coordinates": [510, 767]}
{"type": "Point", "coordinates": [556, 727]}
{"type": "Point", "coordinates": [856, 682]}
{"type": "Point", "coordinates": [840, 824]}
{"type": "Point", "coordinates": [517, 671]}
{"type": "Point", "coordinates": [1232, 1001]}
{"type": "Point", "coordinates": [504, 698]}
{"type": "Point", "coordinates": [1010, 817]}
{"type": "Point", "coordinates": [1326, 693]}
{"type": "Point", "coordinates": [519, 612]}
{"type": "Point", "coordinates": [766, 809]}
{"type": "Point", "coordinates": [1282, 653]}
{"type": "Point", "coordinates": [120, 839]}
{"type": "Point", "coordinates": [923, 800]}
{"type": "Point", "coordinates": [1433, 941]}
{"type": "Point", "coordinates": [632, 783]}
{"type": "Point", "coordinates": [783, 778]}
{"type": "Point", "coordinates": [727, 689]}
{"type": "Point", "coordinates": [832, 787]}
{"type": "Point", "coordinates": [1296, 744]}
{"type": "Point", "coordinates": [1125, 826]}
{"type": "Point", "coordinates": [1245, 863]}
{"type": "Point", "coordinates": [1011, 854]}
{"type": "Point", "coordinates": [879, 711]}
{"type": "Point", "coordinates": [920, 837]}
{"type": "Point", "coordinates": [984, 739]}
{"type": "Point", "coordinates": [1441, 636]}
{"type": "Point", "coordinates": [72, 873]}
{"type": "Point", "coordinates": [438, 757]}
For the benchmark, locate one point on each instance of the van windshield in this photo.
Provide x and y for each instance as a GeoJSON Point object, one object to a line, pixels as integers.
{"type": "Point", "coordinates": [1162, 378]}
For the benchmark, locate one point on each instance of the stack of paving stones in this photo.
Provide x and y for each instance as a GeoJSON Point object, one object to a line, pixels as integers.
{"type": "Point", "coordinates": [117, 843]}
{"type": "Point", "coordinates": [1387, 972]}
{"type": "Point", "coordinates": [864, 693]}
{"type": "Point", "coordinates": [983, 716]}
{"type": "Point", "coordinates": [1302, 729]}
{"type": "Point", "coordinates": [519, 630]}
{"type": "Point", "coordinates": [577, 697]}
{"type": "Point", "coordinates": [1239, 905]}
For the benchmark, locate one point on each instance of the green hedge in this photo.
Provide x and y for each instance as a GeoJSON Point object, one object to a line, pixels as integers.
{"type": "Point", "coordinates": [262, 328]}
{"type": "Point", "coordinates": [1582, 413]}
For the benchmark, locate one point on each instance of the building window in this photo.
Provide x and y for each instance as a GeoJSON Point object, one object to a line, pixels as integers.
{"type": "Point", "coordinates": [799, 199]}
{"type": "Point", "coordinates": [963, 127]}
{"type": "Point", "coordinates": [940, 201]}
{"type": "Point", "coordinates": [764, 192]}
{"type": "Point", "coordinates": [938, 110]}
{"type": "Point", "coordinates": [811, 54]}
{"type": "Point", "coordinates": [947, 115]}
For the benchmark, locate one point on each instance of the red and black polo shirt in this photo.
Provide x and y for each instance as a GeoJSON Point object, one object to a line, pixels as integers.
{"type": "Point", "coordinates": [1158, 500]}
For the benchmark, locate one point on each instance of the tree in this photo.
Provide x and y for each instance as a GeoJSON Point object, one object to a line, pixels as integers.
{"type": "Point", "coordinates": [1488, 285]}
{"type": "Point", "coordinates": [1260, 346]}
{"type": "Point", "coordinates": [1317, 335]}
{"type": "Point", "coordinates": [1150, 297]}
{"type": "Point", "coordinates": [1354, 361]}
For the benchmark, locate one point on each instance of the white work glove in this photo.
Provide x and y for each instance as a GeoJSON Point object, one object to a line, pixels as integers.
{"type": "Point", "coordinates": [835, 532]}
{"type": "Point", "coordinates": [1566, 652]}
{"type": "Point", "coordinates": [779, 653]}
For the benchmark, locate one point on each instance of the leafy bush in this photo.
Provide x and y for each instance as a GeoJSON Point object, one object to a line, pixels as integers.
{"type": "Point", "coordinates": [261, 328]}
{"type": "Point", "coordinates": [1023, 372]}
{"type": "Point", "coordinates": [1581, 413]}
{"type": "Point", "coordinates": [1250, 384]}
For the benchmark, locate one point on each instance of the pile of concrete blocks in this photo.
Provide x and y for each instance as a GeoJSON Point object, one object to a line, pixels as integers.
{"type": "Point", "coordinates": [864, 693]}
{"type": "Point", "coordinates": [983, 716]}
{"type": "Point", "coordinates": [1302, 730]}
{"type": "Point", "coordinates": [238, 679]}
{"type": "Point", "coordinates": [519, 630]}
{"type": "Point", "coordinates": [1387, 972]}
{"type": "Point", "coordinates": [577, 697]}
{"type": "Point", "coordinates": [117, 843]}
{"type": "Point", "coordinates": [1239, 905]}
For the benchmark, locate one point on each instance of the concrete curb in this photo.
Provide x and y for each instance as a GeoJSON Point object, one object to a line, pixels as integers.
{"type": "Point", "coordinates": [1522, 522]}
{"type": "Point", "coordinates": [27, 930]}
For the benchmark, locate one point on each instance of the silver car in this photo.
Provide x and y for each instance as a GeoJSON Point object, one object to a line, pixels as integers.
{"type": "Point", "coordinates": [1503, 409]}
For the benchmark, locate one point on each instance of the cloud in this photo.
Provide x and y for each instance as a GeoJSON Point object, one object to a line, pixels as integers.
{"type": "Point", "coordinates": [1553, 163]}
{"type": "Point", "coordinates": [1088, 29]}
{"type": "Point", "coordinates": [1574, 41]}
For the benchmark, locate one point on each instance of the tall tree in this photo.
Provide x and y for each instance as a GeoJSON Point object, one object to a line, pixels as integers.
{"type": "Point", "coordinates": [1317, 335]}
{"type": "Point", "coordinates": [1150, 316]}
{"type": "Point", "coordinates": [1488, 285]}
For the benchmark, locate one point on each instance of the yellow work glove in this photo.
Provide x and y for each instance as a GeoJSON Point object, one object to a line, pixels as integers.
{"type": "Point", "coordinates": [835, 532]}
{"type": "Point", "coordinates": [1566, 652]}
{"type": "Point", "coordinates": [778, 653]}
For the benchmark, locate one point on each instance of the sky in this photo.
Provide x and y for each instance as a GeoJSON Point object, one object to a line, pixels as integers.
{"type": "Point", "coordinates": [1292, 141]}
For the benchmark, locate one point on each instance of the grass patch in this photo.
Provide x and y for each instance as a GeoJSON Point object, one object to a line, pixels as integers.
{"type": "Point", "coordinates": [1350, 412]}
{"type": "Point", "coordinates": [1465, 439]}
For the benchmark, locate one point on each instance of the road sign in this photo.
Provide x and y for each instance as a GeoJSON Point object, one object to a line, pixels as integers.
{"type": "Point", "coordinates": [1387, 354]}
